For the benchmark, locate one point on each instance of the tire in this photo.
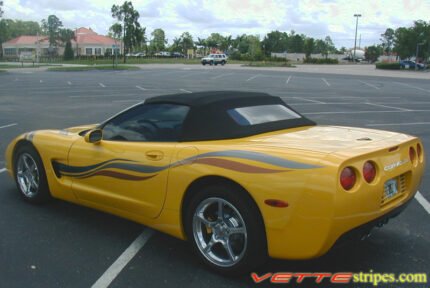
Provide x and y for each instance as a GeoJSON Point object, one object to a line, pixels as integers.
{"type": "Point", "coordinates": [30, 175]}
{"type": "Point", "coordinates": [222, 62]}
{"type": "Point", "coordinates": [204, 63]}
{"type": "Point", "coordinates": [212, 239]}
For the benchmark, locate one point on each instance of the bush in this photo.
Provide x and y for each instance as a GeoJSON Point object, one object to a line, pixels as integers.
{"type": "Point", "coordinates": [320, 61]}
{"type": "Point", "coordinates": [68, 51]}
{"type": "Point", "coordinates": [388, 66]}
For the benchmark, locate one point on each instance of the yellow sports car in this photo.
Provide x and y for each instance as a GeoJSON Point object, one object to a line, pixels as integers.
{"type": "Point", "coordinates": [241, 175]}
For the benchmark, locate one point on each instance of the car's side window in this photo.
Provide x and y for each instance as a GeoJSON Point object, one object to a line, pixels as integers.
{"type": "Point", "coordinates": [147, 123]}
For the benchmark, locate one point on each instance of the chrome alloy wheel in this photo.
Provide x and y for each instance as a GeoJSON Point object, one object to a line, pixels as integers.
{"type": "Point", "coordinates": [27, 175]}
{"type": "Point", "coordinates": [220, 232]}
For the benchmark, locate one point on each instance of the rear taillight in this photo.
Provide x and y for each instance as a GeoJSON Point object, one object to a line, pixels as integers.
{"type": "Point", "coordinates": [412, 155]}
{"type": "Point", "coordinates": [419, 151]}
{"type": "Point", "coordinates": [369, 171]}
{"type": "Point", "coordinates": [348, 178]}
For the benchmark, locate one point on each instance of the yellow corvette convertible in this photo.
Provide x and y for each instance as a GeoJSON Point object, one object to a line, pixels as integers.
{"type": "Point", "coordinates": [241, 175]}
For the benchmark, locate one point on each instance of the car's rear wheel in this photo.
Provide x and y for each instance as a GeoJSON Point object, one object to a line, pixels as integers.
{"type": "Point", "coordinates": [226, 230]}
{"type": "Point", "coordinates": [30, 175]}
{"type": "Point", "coordinates": [222, 62]}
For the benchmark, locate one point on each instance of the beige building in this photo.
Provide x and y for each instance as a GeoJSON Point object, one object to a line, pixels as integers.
{"type": "Point", "coordinates": [86, 43]}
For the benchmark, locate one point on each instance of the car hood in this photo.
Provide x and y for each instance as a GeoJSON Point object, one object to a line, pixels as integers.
{"type": "Point", "coordinates": [328, 139]}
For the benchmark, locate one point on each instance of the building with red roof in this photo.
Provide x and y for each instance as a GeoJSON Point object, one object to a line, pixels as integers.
{"type": "Point", "coordinates": [86, 43]}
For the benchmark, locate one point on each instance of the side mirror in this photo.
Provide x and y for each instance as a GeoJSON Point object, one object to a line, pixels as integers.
{"type": "Point", "coordinates": [94, 136]}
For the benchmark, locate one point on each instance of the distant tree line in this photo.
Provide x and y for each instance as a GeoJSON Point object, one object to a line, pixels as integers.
{"type": "Point", "coordinates": [403, 41]}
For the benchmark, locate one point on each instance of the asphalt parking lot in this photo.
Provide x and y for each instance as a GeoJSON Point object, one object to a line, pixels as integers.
{"type": "Point", "coordinates": [64, 245]}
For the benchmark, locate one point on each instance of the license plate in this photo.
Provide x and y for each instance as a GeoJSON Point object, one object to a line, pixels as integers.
{"type": "Point", "coordinates": [390, 188]}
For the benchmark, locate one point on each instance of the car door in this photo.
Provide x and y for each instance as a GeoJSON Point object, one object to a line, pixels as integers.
{"type": "Point", "coordinates": [128, 169]}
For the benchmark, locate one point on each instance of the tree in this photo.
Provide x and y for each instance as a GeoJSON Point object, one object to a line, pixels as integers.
{"type": "Point", "coordinates": [226, 43]}
{"type": "Point", "coordinates": [68, 51]}
{"type": "Point", "coordinates": [1, 9]}
{"type": "Point", "coordinates": [186, 41]}
{"type": "Point", "coordinates": [10, 29]}
{"type": "Point", "coordinates": [309, 47]}
{"type": "Point", "coordinates": [159, 41]}
{"type": "Point", "coordinates": [51, 27]}
{"type": "Point", "coordinates": [388, 39]}
{"type": "Point", "coordinates": [373, 52]}
{"type": "Point", "coordinates": [275, 41]}
{"type": "Point", "coordinates": [133, 33]}
{"type": "Point", "coordinates": [66, 35]}
{"type": "Point", "coordinates": [202, 44]}
{"type": "Point", "coordinates": [116, 30]}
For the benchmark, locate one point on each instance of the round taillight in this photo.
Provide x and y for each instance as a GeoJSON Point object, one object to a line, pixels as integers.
{"type": "Point", "coordinates": [412, 154]}
{"type": "Point", "coordinates": [348, 178]}
{"type": "Point", "coordinates": [419, 151]}
{"type": "Point", "coordinates": [369, 171]}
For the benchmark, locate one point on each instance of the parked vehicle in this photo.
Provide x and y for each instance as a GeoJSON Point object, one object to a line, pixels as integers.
{"type": "Point", "coordinates": [215, 59]}
{"type": "Point", "coordinates": [409, 64]}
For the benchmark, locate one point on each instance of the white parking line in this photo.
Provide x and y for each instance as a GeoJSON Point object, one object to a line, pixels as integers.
{"type": "Point", "coordinates": [253, 77]}
{"type": "Point", "coordinates": [2, 170]}
{"type": "Point", "coordinates": [423, 201]}
{"type": "Point", "coordinates": [398, 124]}
{"type": "Point", "coordinates": [8, 125]}
{"type": "Point", "coordinates": [141, 88]}
{"type": "Point", "coordinates": [362, 112]}
{"type": "Point", "coordinates": [102, 85]}
{"type": "Point", "coordinates": [68, 82]}
{"type": "Point", "coordinates": [288, 80]}
{"type": "Point", "coordinates": [313, 101]}
{"type": "Point", "coordinates": [370, 85]}
{"type": "Point", "coordinates": [385, 106]}
{"type": "Point", "coordinates": [112, 272]}
{"type": "Point", "coordinates": [326, 82]}
{"type": "Point", "coordinates": [222, 75]}
{"type": "Point", "coordinates": [186, 91]}
{"type": "Point", "coordinates": [413, 87]}
{"type": "Point", "coordinates": [41, 81]}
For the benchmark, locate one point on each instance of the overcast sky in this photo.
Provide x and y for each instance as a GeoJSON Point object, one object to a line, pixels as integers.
{"type": "Point", "coordinates": [315, 18]}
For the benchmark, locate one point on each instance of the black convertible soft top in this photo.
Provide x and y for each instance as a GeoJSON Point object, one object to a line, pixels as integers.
{"type": "Point", "coordinates": [208, 118]}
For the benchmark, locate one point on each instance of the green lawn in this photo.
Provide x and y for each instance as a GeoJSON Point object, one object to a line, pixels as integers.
{"type": "Point", "coordinates": [96, 67]}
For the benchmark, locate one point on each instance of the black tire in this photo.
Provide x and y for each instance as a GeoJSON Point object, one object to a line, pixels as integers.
{"type": "Point", "coordinates": [203, 63]}
{"type": "Point", "coordinates": [254, 251]}
{"type": "Point", "coordinates": [40, 194]}
{"type": "Point", "coordinates": [222, 62]}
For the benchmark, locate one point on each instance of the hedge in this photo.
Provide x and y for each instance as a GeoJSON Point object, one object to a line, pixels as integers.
{"type": "Point", "coordinates": [388, 66]}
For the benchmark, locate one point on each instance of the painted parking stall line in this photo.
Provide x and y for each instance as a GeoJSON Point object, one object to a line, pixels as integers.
{"type": "Point", "coordinates": [370, 85]}
{"type": "Point", "coordinates": [385, 106]}
{"type": "Point", "coordinates": [288, 80]}
{"type": "Point", "coordinates": [423, 201]}
{"type": "Point", "coordinates": [3, 170]}
{"type": "Point", "coordinates": [8, 125]}
{"type": "Point", "coordinates": [413, 87]}
{"type": "Point", "coordinates": [112, 272]}
{"type": "Point", "coordinates": [253, 77]}
{"type": "Point", "coordinates": [140, 88]}
{"type": "Point", "coordinates": [326, 82]}
{"type": "Point", "coordinates": [186, 91]}
{"type": "Point", "coordinates": [102, 85]}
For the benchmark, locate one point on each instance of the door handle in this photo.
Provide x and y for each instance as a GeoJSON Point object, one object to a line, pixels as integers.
{"type": "Point", "coordinates": [154, 155]}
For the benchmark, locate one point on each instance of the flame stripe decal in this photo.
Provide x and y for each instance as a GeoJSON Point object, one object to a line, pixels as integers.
{"type": "Point", "coordinates": [211, 159]}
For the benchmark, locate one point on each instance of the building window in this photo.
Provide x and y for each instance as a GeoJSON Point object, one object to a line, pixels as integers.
{"type": "Point", "coordinates": [89, 51]}
{"type": "Point", "coordinates": [108, 51]}
{"type": "Point", "coordinates": [10, 51]}
{"type": "Point", "coordinates": [98, 51]}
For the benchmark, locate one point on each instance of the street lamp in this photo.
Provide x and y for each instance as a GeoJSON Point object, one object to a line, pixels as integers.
{"type": "Point", "coordinates": [416, 55]}
{"type": "Point", "coordinates": [355, 41]}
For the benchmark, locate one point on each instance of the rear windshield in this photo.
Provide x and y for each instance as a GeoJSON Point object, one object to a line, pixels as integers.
{"type": "Point", "coordinates": [253, 115]}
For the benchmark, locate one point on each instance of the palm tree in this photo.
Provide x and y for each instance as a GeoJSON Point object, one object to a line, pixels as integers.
{"type": "Point", "coordinates": [202, 44]}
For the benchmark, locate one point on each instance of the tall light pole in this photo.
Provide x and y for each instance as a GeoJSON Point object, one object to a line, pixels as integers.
{"type": "Point", "coordinates": [355, 41]}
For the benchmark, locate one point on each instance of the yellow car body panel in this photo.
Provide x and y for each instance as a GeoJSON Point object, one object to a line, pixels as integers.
{"type": "Point", "coordinates": [147, 182]}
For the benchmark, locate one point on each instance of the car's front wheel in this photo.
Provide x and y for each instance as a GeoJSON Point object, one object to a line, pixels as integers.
{"type": "Point", "coordinates": [222, 62]}
{"type": "Point", "coordinates": [226, 230]}
{"type": "Point", "coordinates": [30, 175]}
